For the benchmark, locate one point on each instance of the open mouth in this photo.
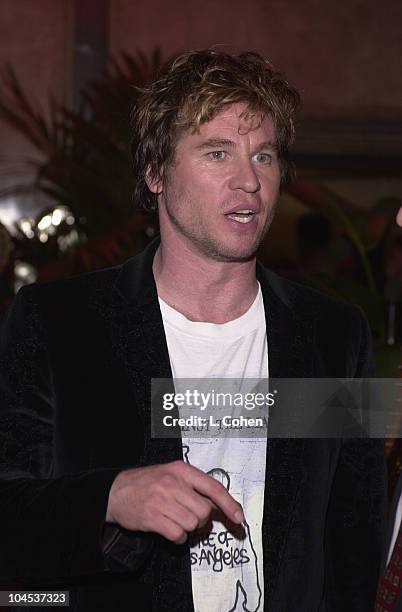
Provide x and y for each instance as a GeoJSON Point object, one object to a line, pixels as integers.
{"type": "Point", "coordinates": [242, 216]}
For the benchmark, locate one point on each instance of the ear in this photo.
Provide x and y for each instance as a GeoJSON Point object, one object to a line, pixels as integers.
{"type": "Point", "coordinates": [154, 183]}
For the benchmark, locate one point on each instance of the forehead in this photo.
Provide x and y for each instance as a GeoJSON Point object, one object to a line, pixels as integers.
{"type": "Point", "coordinates": [229, 123]}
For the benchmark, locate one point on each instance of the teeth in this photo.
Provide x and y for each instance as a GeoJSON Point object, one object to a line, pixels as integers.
{"type": "Point", "coordinates": [241, 219]}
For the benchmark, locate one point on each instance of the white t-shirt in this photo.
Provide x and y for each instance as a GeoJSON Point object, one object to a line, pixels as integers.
{"type": "Point", "coordinates": [395, 531]}
{"type": "Point", "coordinates": [227, 571]}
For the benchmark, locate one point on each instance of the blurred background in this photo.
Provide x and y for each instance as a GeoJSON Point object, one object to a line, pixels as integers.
{"type": "Point", "coordinates": [67, 70]}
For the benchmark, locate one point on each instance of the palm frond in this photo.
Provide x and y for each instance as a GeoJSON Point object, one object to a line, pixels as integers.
{"type": "Point", "coordinates": [20, 113]}
{"type": "Point", "coordinates": [83, 163]}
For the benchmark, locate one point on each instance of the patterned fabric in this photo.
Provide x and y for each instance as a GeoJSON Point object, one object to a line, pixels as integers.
{"type": "Point", "coordinates": [389, 587]}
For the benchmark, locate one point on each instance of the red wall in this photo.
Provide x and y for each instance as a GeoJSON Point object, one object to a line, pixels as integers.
{"type": "Point", "coordinates": [35, 38]}
{"type": "Point", "coordinates": [346, 57]}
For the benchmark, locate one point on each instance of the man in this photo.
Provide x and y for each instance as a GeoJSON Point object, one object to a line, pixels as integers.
{"type": "Point", "coordinates": [389, 596]}
{"type": "Point", "coordinates": [89, 499]}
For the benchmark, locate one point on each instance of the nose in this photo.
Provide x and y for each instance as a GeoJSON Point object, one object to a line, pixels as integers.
{"type": "Point", "coordinates": [399, 217]}
{"type": "Point", "coordinates": [244, 177]}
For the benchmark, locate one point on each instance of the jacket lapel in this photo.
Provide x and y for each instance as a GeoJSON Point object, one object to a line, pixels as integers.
{"type": "Point", "coordinates": [289, 335]}
{"type": "Point", "coordinates": [142, 345]}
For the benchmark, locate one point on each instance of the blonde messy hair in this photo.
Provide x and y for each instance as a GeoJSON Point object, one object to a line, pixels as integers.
{"type": "Point", "coordinates": [192, 91]}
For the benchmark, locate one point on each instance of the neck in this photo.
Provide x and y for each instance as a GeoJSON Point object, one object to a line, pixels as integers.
{"type": "Point", "coordinates": [202, 289]}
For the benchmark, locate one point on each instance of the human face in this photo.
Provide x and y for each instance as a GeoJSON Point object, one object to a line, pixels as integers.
{"type": "Point", "coordinates": [219, 174]}
{"type": "Point", "coordinates": [399, 217]}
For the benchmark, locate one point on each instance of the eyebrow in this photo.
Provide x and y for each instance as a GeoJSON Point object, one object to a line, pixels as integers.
{"type": "Point", "coordinates": [212, 143]}
{"type": "Point", "coordinates": [215, 143]}
{"type": "Point", "coordinates": [268, 145]}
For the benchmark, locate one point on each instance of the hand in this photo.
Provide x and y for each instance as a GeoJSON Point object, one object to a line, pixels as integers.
{"type": "Point", "coordinates": [171, 499]}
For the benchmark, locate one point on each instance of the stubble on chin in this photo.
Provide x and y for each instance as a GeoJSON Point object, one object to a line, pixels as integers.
{"type": "Point", "coordinates": [219, 250]}
{"type": "Point", "coordinates": [237, 254]}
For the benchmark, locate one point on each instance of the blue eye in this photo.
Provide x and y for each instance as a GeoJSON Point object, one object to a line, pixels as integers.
{"type": "Point", "coordinates": [218, 155]}
{"type": "Point", "coordinates": [263, 158]}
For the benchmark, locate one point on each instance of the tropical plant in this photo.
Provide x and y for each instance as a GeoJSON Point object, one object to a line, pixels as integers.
{"type": "Point", "coordinates": [84, 160]}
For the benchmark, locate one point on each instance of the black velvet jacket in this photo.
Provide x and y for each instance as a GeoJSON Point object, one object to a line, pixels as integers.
{"type": "Point", "coordinates": [76, 359]}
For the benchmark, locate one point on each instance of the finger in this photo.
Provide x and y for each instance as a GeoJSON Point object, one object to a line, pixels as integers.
{"type": "Point", "coordinates": [170, 530]}
{"type": "Point", "coordinates": [215, 492]}
{"type": "Point", "coordinates": [182, 516]}
{"type": "Point", "coordinates": [199, 505]}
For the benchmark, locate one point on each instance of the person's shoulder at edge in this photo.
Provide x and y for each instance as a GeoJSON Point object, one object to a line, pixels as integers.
{"type": "Point", "coordinates": [77, 281]}
{"type": "Point", "coordinates": [60, 300]}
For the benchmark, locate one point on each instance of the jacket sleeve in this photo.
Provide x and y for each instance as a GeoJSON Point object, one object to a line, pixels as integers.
{"type": "Point", "coordinates": [50, 527]}
{"type": "Point", "coordinates": [356, 516]}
